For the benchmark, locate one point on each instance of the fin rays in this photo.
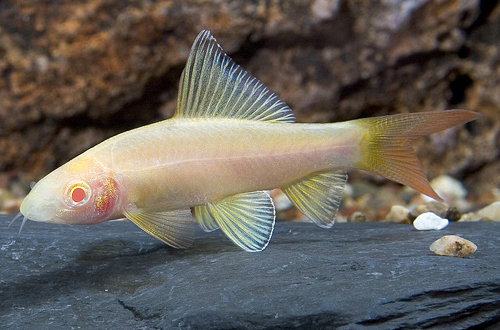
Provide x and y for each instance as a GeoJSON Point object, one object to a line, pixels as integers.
{"type": "Point", "coordinates": [212, 85]}
{"type": "Point", "coordinates": [318, 196]}
{"type": "Point", "coordinates": [247, 219]}
{"type": "Point", "coordinates": [386, 147]}
{"type": "Point", "coordinates": [174, 228]}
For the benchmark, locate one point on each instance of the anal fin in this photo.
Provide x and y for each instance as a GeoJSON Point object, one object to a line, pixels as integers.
{"type": "Point", "coordinates": [174, 228]}
{"type": "Point", "coordinates": [247, 219]}
{"type": "Point", "coordinates": [318, 196]}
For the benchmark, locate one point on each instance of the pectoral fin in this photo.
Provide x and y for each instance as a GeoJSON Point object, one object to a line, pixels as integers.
{"type": "Point", "coordinates": [174, 228]}
{"type": "Point", "coordinates": [247, 219]}
{"type": "Point", "coordinates": [318, 196]}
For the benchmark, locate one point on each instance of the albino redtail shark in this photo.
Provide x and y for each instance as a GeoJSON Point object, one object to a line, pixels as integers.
{"type": "Point", "coordinates": [230, 141]}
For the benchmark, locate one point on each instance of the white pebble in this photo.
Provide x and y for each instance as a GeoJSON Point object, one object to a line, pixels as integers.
{"type": "Point", "coordinates": [448, 186]}
{"type": "Point", "coordinates": [348, 190]}
{"type": "Point", "coordinates": [281, 202]}
{"type": "Point", "coordinates": [453, 246]}
{"type": "Point", "coordinates": [490, 212]}
{"type": "Point", "coordinates": [397, 214]}
{"type": "Point", "coordinates": [430, 221]}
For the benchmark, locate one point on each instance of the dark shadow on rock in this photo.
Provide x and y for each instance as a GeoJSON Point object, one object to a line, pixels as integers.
{"type": "Point", "coordinates": [115, 265]}
{"type": "Point", "coordinates": [456, 304]}
{"type": "Point", "coordinates": [216, 320]}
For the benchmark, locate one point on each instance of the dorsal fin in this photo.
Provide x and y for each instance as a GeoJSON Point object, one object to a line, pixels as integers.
{"type": "Point", "coordinates": [212, 85]}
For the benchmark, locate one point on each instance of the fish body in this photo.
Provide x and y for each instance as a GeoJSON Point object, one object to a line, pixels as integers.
{"type": "Point", "coordinates": [188, 162]}
{"type": "Point", "coordinates": [229, 142]}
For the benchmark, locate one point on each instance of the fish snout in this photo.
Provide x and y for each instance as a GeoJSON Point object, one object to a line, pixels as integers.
{"type": "Point", "coordinates": [40, 211]}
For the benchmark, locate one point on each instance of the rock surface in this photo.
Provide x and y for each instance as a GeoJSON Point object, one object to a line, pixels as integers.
{"type": "Point", "coordinates": [354, 276]}
{"type": "Point", "coordinates": [75, 73]}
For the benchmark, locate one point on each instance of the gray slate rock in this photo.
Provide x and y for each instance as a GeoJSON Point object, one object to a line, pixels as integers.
{"type": "Point", "coordinates": [354, 276]}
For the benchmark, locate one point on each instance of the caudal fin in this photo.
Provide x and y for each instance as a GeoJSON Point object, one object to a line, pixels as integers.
{"type": "Point", "coordinates": [386, 146]}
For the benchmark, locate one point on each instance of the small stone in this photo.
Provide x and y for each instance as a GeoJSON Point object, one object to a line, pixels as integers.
{"type": "Point", "coordinates": [281, 202]}
{"type": "Point", "coordinates": [12, 206]}
{"type": "Point", "coordinates": [340, 219]}
{"type": "Point", "coordinates": [430, 221]}
{"type": "Point", "coordinates": [9, 203]}
{"type": "Point", "coordinates": [357, 217]}
{"type": "Point", "coordinates": [453, 214]}
{"type": "Point", "coordinates": [453, 246]}
{"type": "Point", "coordinates": [348, 190]}
{"type": "Point", "coordinates": [448, 186]}
{"type": "Point", "coordinates": [490, 212]}
{"type": "Point", "coordinates": [434, 207]}
{"type": "Point", "coordinates": [398, 214]}
{"type": "Point", "coordinates": [471, 216]}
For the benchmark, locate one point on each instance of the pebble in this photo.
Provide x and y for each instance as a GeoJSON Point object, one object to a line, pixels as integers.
{"type": "Point", "coordinates": [398, 214]}
{"type": "Point", "coordinates": [281, 202]}
{"type": "Point", "coordinates": [434, 207]}
{"type": "Point", "coordinates": [453, 246]}
{"type": "Point", "coordinates": [471, 216]}
{"type": "Point", "coordinates": [446, 186]}
{"type": "Point", "coordinates": [12, 206]}
{"type": "Point", "coordinates": [8, 202]}
{"type": "Point", "coordinates": [357, 217]}
{"type": "Point", "coordinates": [348, 190]}
{"type": "Point", "coordinates": [453, 214]}
{"type": "Point", "coordinates": [340, 219]}
{"type": "Point", "coordinates": [490, 212]}
{"type": "Point", "coordinates": [430, 221]}
{"type": "Point", "coordinates": [439, 208]}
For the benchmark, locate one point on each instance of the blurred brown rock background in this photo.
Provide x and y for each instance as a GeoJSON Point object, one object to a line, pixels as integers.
{"type": "Point", "coordinates": [73, 73]}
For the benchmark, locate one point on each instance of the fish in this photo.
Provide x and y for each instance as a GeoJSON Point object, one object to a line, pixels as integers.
{"type": "Point", "coordinates": [230, 141]}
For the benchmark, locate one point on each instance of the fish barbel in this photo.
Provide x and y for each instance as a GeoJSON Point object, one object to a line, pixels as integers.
{"type": "Point", "coordinates": [230, 141]}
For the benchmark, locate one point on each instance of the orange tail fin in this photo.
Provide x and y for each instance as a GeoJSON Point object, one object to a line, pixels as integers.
{"type": "Point", "coordinates": [386, 146]}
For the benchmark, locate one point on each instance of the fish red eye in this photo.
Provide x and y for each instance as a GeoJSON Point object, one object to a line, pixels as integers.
{"type": "Point", "coordinates": [78, 194]}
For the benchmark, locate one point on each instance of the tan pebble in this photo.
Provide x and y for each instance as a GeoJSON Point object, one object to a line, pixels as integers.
{"type": "Point", "coordinates": [453, 246]}
{"type": "Point", "coordinates": [11, 206]}
{"type": "Point", "coordinates": [471, 216]}
{"type": "Point", "coordinates": [434, 207]}
{"type": "Point", "coordinates": [340, 219]}
{"type": "Point", "coordinates": [398, 214]}
{"type": "Point", "coordinates": [357, 217]}
{"type": "Point", "coordinates": [490, 212]}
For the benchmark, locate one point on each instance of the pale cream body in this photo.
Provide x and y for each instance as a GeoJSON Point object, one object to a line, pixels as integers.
{"type": "Point", "coordinates": [181, 163]}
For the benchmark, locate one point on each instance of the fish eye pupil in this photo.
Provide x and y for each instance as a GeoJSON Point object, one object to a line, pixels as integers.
{"type": "Point", "coordinates": [78, 195]}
